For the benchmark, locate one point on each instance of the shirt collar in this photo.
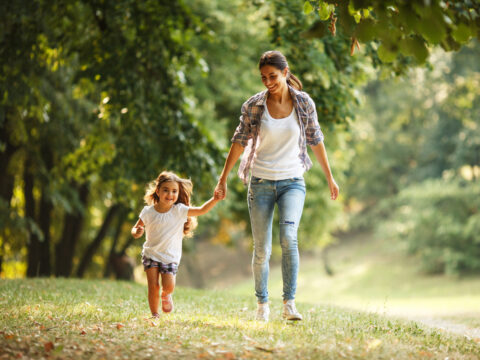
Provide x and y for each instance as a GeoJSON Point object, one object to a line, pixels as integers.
{"type": "Point", "coordinates": [262, 101]}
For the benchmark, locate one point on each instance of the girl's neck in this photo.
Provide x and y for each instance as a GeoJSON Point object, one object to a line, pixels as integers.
{"type": "Point", "coordinates": [161, 207]}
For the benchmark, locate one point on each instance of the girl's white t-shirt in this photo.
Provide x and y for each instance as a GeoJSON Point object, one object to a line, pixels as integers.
{"type": "Point", "coordinates": [277, 156]}
{"type": "Point", "coordinates": [164, 233]}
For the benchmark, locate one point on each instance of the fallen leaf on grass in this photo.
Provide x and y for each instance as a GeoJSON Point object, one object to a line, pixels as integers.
{"type": "Point", "coordinates": [226, 354]}
{"type": "Point", "coordinates": [83, 332]}
{"type": "Point", "coordinates": [262, 348]}
{"type": "Point", "coordinates": [425, 353]}
{"type": "Point", "coordinates": [119, 326]}
{"type": "Point", "coordinates": [48, 346]}
{"type": "Point", "coordinates": [9, 336]}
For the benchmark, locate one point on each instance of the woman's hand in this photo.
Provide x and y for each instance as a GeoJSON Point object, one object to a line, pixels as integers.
{"type": "Point", "coordinates": [221, 190]}
{"type": "Point", "coordinates": [334, 189]}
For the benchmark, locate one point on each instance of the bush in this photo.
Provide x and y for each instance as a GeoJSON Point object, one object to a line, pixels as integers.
{"type": "Point", "coordinates": [438, 221]}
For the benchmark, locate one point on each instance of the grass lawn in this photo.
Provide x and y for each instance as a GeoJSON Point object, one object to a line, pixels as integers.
{"type": "Point", "coordinates": [97, 319]}
{"type": "Point", "coordinates": [373, 275]}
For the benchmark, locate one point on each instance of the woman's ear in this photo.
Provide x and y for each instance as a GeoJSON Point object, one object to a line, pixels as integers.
{"type": "Point", "coordinates": [285, 71]}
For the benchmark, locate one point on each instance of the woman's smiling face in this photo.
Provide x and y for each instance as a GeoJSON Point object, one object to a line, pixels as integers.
{"type": "Point", "coordinates": [274, 79]}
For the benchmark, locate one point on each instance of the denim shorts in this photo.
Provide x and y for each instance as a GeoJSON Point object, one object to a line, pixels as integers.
{"type": "Point", "coordinates": [148, 263]}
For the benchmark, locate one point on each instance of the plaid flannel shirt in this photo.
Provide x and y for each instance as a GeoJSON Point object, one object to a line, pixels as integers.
{"type": "Point", "coordinates": [248, 129]}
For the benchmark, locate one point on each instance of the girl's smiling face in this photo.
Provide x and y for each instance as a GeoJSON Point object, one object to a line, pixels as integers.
{"type": "Point", "coordinates": [274, 79]}
{"type": "Point", "coordinates": [168, 193]}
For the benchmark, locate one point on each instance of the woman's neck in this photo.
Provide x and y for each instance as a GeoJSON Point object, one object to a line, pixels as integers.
{"type": "Point", "coordinates": [281, 97]}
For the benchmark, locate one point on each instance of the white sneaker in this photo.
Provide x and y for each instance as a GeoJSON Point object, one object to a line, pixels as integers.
{"type": "Point", "coordinates": [290, 311]}
{"type": "Point", "coordinates": [263, 311]}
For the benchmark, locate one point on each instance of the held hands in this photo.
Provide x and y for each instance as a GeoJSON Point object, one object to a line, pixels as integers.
{"type": "Point", "coordinates": [220, 191]}
{"type": "Point", "coordinates": [217, 196]}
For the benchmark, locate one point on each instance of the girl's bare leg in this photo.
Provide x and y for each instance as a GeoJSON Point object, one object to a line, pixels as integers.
{"type": "Point", "coordinates": [153, 289]}
{"type": "Point", "coordinates": [168, 285]}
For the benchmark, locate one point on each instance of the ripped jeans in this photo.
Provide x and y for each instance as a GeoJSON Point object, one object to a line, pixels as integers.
{"type": "Point", "coordinates": [289, 194]}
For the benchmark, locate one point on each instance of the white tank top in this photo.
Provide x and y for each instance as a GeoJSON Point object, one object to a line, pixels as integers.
{"type": "Point", "coordinates": [277, 156]}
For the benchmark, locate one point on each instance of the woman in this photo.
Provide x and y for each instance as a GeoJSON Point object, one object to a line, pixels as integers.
{"type": "Point", "coordinates": [275, 128]}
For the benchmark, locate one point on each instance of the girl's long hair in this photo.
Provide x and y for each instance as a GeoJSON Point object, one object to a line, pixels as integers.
{"type": "Point", "coordinates": [185, 189]}
{"type": "Point", "coordinates": [278, 60]}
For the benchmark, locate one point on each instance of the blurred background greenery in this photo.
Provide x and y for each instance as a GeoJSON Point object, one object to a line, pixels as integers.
{"type": "Point", "coordinates": [99, 96]}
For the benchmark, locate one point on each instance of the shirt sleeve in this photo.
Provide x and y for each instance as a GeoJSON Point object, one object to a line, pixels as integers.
{"type": "Point", "coordinates": [182, 211]}
{"type": "Point", "coordinates": [313, 133]}
{"type": "Point", "coordinates": [144, 215]}
{"type": "Point", "coordinates": [244, 129]}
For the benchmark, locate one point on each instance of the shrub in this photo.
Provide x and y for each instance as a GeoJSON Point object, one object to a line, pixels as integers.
{"type": "Point", "coordinates": [438, 221]}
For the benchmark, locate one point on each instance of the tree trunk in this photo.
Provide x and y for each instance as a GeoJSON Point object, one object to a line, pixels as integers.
{"type": "Point", "coordinates": [72, 228]}
{"type": "Point", "coordinates": [118, 231]}
{"type": "Point", "coordinates": [33, 258]}
{"type": "Point", "coordinates": [6, 179]}
{"type": "Point", "coordinates": [44, 221]}
{"type": "Point", "coordinates": [95, 244]}
{"type": "Point", "coordinates": [44, 212]}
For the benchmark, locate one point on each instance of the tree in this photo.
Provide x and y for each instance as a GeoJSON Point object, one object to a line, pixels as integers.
{"type": "Point", "coordinates": [93, 103]}
{"type": "Point", "coordinates": [399, 30]}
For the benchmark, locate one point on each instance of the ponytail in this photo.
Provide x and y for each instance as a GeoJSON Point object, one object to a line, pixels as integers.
{"type": "Point", "coordinates": [294, 82]}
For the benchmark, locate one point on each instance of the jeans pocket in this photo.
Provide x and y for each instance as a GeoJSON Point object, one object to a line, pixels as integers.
{"type": "Point", "coordinates": [255, 180]}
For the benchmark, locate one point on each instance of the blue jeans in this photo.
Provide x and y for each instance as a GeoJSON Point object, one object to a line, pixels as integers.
{"type": "Point", "coordinates": [289, 195]}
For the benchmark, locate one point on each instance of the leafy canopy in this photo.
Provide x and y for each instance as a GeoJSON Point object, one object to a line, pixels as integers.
{"type": "Point", "coordinates": [399, 28]}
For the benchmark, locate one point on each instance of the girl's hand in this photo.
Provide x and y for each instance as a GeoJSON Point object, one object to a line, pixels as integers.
{"type": "Point", "coordinates": [220, 190]}
{"type": "Point", "coordinates": [334, 189]}
{"type": "Point", "coordinates": [138, 231]}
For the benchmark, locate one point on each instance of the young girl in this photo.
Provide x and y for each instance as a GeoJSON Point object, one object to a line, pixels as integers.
{"type": "Point", "coordinates": [166, 219]}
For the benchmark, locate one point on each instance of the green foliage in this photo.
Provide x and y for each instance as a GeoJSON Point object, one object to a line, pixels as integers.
{"type": "Point", "coordinates": [416, 128]}
{"type": "Point", "coordinates": [93, 96]}
{"type": "Point", "coordinates": [417, 149]}
{"type": "Point", "coordinates": [439, 221]}
{"type": "Point", "coordinates": [403, 29]}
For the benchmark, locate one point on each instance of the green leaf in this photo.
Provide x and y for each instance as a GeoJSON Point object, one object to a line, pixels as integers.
{"type": "Point", "coordinates": [317, 30]}
{"type": "Point", "coordinates": [307, 7]}
{"type": "Point", "coordinates": [449, 44]}
{"type": "Point", "coordinates": [325, 10]}
{"type": "Point", "coordinates": [365, 30]}
{"type": "Point", "coordinates": [462, 33]}
{"type": "Point", "coordinates": [414, 46]}
{"type": "Point", "coordinates": [433, 28]}
{"type": "Point", "coordinates": [385, 54]}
